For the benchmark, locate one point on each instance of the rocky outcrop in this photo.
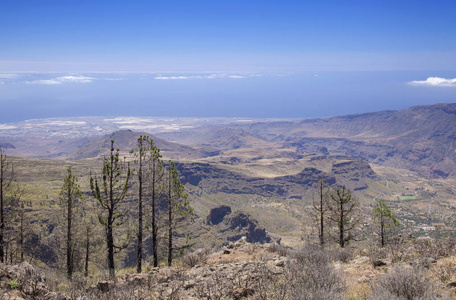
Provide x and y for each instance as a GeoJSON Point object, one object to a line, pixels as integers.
{"type": "Point", "coordinates": [217, 214]}
{"type": "Point", "coordinates": [242, 224]}
{"type": "Point", "coordinates": [237, 225]}
{"type": "Point", "coordinates": [354, 173]}
{"type": "Point", "coordinates": [214, 180]}
{"type": "Point", "coordinates": [339, 146]}
{"type": "Point", "coordinates": [24, 282]}
{"type": "Point", "coordinates": [233, 272]}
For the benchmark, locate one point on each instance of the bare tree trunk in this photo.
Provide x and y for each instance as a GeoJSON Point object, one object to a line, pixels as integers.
{"type": "Point", "coordinates": [109, 234]}
{"type": "Point", "coordinates": [69, 233]}
{"type": "Point", "coordinates": [322, 238]}
{"type": "Point", "coordinates": [170, 222]}
{"type": "Point", "coordinates": [110, 245]}
{"type": "Point", "coordinates": [2, 210]}
{"type": "Point", "coordinates": [86, 267]}
{"type": "Point", "coordinates": [140, 218]}
{"type": "Point", "coordinates": [154, 224]}
{"type": "Point", "coordinates": [21, 236]}
{"type": "Point", "coordinates": [341, 226]}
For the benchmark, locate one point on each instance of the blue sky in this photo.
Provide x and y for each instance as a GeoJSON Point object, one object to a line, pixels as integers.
{"type": "Point", "coordinates": [271, 58]}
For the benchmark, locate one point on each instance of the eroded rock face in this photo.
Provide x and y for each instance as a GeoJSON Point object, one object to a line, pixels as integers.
{"type": "Point", "coordinates": [217, 214]}
{"type": "Point", "coordinates": [237, 225]}
{"type": "Point", "coordinates": [216, 180]}
{"type": "Point", "coordinates": [354, 173]}
{"type": "Point", "coordinates": [248, 227]}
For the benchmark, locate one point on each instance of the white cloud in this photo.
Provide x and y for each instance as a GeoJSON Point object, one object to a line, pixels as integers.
{"type": "Point", "coordinates": [8, 75]}
{"type": "Point", "coordinates": [434, 81]}
{"type": "Point", "coordinates": [173, 77]}
{"type": "Point", "coordinates": [63, 79]}
{"type": "Point", "coordinates": [64, 123]}
{"type": "Point", "coordinates": [113, 79]}
{"type": "Point", "coordinates": [127, 120]}
{"type": "Point", "coordinates": [210, 76]}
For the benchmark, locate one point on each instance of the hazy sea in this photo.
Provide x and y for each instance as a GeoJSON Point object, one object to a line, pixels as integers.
{"type": "Point", "coordinates": [261, 95]}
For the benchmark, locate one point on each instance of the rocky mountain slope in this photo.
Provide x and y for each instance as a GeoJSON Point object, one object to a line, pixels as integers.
{"type": "Point", "coordinates": [125, 140]}
{"type": "Point", "coordinates": [420, 138]}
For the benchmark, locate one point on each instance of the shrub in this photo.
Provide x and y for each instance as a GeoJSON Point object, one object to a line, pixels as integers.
{"type": "Point", "coordinates": [435, 248]}
{"type": "Point", "coordinates": [397, 249]}
{"type": "Point", "coordinates": [342, 254]}
{"type": "Point", "coordinates": [192, 259]}
{"type": "Point", "coordinates": [403, 283]}
{"type": "Point", "coordinates": [376, 254]}
{"type": "Point", "coordinates": [313, 276]}
{"type": "Point", "coordinates": [279, 249]}
{"type": "Point", "coordinates": [13, 284]}
{"type": "Point", "coordinates": [445, 271]}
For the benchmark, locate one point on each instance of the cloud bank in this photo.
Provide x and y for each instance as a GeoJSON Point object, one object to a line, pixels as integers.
{"type": "Point", "coordinates": [434, 81]}
{"type": "Point", "coordinates": [63, 79]}
{"type": "Point", "coordinates": [210, 76]}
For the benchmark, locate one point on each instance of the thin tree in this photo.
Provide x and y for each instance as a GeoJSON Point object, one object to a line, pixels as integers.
{"type": "Point", "coordinates": [21, 220]}
{"type": "Point", "coordinates": [70, 195]}
{"type": "Point", "coordinates": [319, 212]}
{"type": "Point", "coordinates": [22, 231]}
{"type": "Point", "coordinates": [386, 220]}
{"type": "Point", "coordinates": [87, 252]}
{"type": "Point", "coordinates": [17, 226]}
{"type": "Point", "coordinates": [149, 165]}
{"type": "Point", "coordinates": [140, 153]}
{"type": "Point", "coordinates": [156, 176]}
{"type": "Point", "coordinates": [110, 193]}
{"type": "Point", "coordinates": [177, 204]}
{"type": "Point", "coordinates": [343, 206]}
{"type": "Point", "coordinates": [89, 225]}
{"type": "Point", "coordinates": [6, 178]}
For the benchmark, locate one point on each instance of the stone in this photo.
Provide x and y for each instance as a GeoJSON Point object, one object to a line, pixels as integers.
{"type": "Point", "coordinates": [243, 292]}
{"type": "Point", "coordinates": [104, 286]}
{"type": "Point", "coordinates": [361, 260]}
{"type": "Point", "coordinates": [378, 263]}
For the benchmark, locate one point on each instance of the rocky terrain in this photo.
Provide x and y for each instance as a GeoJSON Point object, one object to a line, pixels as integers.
{"type": "Point", "coordinates": [241, 270]}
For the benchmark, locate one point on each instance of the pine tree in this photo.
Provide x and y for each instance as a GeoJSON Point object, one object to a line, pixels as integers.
{"type": "Point", "coordinates": [140, 153]}
{"type": "Point", "coordinates": [178, 206]}
{"type": "Point", "coordinates": [156, 174]}
{"type": "Point", "coordinates": [342, 207]}
{"type": "Point", "coordinates": [70, 196]}
{"type": "Point", "coordinates": [319, 212]}
{"type": "Point", "coordinates": [150, 173]}
{"type": "Point", "coordinates": [386, 220]}
{"type": "Point", "coordinates": [110, 193]}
